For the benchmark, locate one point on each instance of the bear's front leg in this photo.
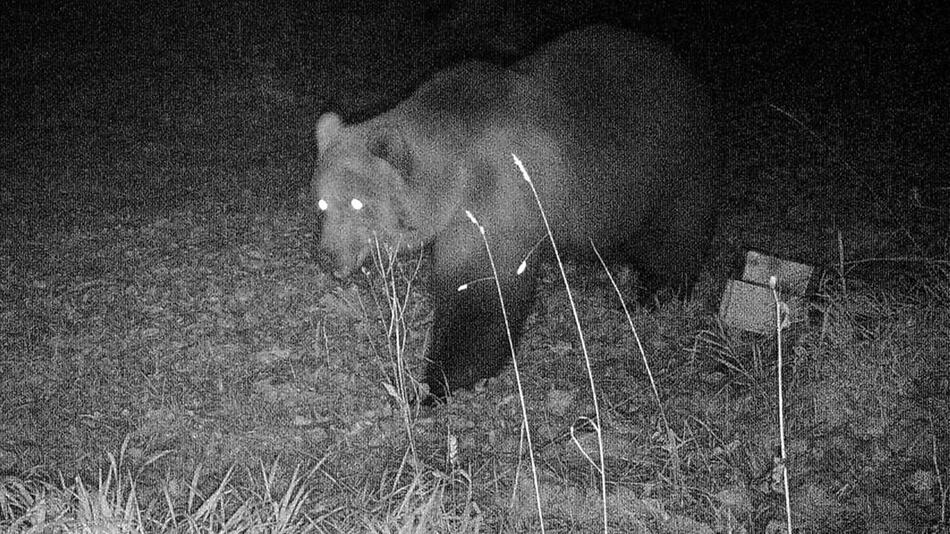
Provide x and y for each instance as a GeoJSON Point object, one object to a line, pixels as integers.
{"type": "Point", "coordinates": [469, 341]}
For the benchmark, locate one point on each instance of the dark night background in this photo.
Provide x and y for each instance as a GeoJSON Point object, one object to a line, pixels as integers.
{"type": "Point", "coordinates": [156, 277]}
{"type": "Point", "coordinates": [881, 67]}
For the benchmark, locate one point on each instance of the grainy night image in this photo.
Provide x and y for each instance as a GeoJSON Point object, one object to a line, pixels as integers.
{"type": "Point", "coordinates": [242, 289]}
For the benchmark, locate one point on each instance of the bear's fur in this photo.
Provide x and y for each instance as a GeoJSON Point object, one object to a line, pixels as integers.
{"type": "Point", "coordinates": [616, 136]}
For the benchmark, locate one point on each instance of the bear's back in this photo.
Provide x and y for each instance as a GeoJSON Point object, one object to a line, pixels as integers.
{"type": "Point", "coordinates": [471, 93]}
{"type": "Point", "coordinates": [629, 122]}
{"type": "Point", "coordinates": [606, 121]}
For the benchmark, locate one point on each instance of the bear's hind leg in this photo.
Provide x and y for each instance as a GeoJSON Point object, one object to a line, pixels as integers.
{"type": "Point", "coordinates": [679, 239]}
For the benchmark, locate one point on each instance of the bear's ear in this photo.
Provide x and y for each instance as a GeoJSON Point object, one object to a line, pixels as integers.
{"type": "Point", "coordinates": [393, 149]}
{"type": "Point", "coordinates": [328, 126]}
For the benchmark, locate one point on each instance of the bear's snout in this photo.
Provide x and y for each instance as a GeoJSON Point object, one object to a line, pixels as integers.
{"type": "Point", "coordinates": [342, 263]}
{"type": "Point", "coordinates": [334, 263]}
{"type": "Point", "coordinates": [342, 270]}
{"type": "Point", "coordinates": [327, 261]}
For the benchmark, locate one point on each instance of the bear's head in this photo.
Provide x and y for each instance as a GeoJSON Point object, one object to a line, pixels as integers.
{"type": "Point", "coordinates": [360, 187]}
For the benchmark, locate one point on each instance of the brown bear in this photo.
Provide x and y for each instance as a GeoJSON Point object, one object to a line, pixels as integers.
{"type": "Point", "coordinates": [616, 135]}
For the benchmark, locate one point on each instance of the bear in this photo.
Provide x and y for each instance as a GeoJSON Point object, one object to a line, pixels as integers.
{"type": "Point", "coordinates": [617, 136]}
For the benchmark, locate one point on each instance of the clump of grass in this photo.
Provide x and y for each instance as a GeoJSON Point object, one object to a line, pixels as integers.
{"type": "Point", "coordinates": [745, 358]}
{"type": "Point", "coordinates": [112, 505]}
{"type": "Point", "coordinates": [396, 287]}
{"type": "Point", "coordinates": [420, 506]}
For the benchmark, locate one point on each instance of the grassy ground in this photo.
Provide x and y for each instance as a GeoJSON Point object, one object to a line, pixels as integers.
{"type": "Point", "coordinates": [172, 359]}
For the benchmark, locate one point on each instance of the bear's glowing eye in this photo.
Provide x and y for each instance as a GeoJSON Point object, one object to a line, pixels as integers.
{"type": "Point", "coordinates": [322, 204]}
{"type": "Point", "coordinates": [356, 204]}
